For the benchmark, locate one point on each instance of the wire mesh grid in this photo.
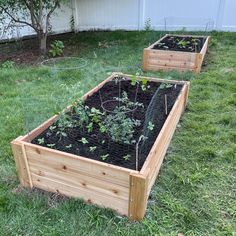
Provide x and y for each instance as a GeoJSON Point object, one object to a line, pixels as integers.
{"type": "Point", "coordinates": [89, 140]}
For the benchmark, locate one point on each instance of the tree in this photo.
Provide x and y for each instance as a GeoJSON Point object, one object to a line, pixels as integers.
{"type": "Point", "coordinates": [33, 13]}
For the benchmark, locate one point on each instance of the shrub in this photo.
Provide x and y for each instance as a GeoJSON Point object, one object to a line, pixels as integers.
{"type": "Point", "coordinates": [57, 47]}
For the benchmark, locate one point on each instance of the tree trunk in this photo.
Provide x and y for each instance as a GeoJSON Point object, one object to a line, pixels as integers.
{"type": "Point", "coordinates": [42, 43]}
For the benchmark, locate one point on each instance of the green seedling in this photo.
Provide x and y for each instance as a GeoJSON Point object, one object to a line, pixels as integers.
{"type": "Point", "coordinates": [92, 149]}
{"type": "Point", "coordinates": [126, 157]}
{"type": "Point", "coordinates": [84, 140]}
{"type": "Point", "coordinates": [165, 86]}
{"type": "Point", "coordinates": [104, 157]}
{"type": "Point", "coordinates": [41, 140]}
{"type": "Point", "coordinates": [69, 146]}
{"type": "Point", "coordinates": [150, 125]}
{"type": "Point", "coordinates": [51, 145]}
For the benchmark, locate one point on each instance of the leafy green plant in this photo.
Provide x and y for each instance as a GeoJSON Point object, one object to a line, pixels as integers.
{"type": "Point", "coordinates": [57, 47]}
{"type": "Point", "coordinates": [134, 80]}
{"type": "Point", "coordinates": [92, 148]}
{"type": "Point", "coordinates": [63, 122]}
{"type": "Point", "coordinates": [51, 145]}
{"type": "Point", "coordinates": [90, 127]}
{"type": "Point", "coordinates": [81, 111]}
{"type": "Point", "coordinates": [147, 25]}
{"type": "Point", "coordinates": [166, 85]}
{"type": "Point", "coordinates": [97, 117]}
{"type": "Point", "coordinates": [150, 125]}
{"type": "Point", "coordinates": [126, 104]}
{"type": "Point", "coordinates": [195, 41]}
{"type": "Point", "coordinates": [126, 157]}
{"type": "Point", "coordinates": [119, 127]}
{"type": "Point", "coordinates": [69, 146]}
{"type": "Point", "coordinates": [84, 140]}
{"type": "Point", "coordinates": [52, 128]}
{"type": "Point", "coordinates": [7, 65]}
{"type": "Point", "coordinates": [183, 43]}
{"type": "Point", "coordinates": [144, 84]}
{"type": "Point", "coordinates": [143, 81]}
{"type": "Point", "coordinates": [41, 140]}
{"type": "Point", "coordinates": [104, 157]}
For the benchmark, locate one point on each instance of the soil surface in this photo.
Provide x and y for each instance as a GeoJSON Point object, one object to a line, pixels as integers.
{"type": "Point", "coordinates": [181, 43]}
{"type": "Point", "coordinates": [116, 151]}
{"type": "Point", "coordinates": [26, 51]}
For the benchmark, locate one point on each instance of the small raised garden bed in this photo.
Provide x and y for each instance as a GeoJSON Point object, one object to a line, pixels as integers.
{"type": "Point", "coordinates": [176, 52]}
{"type": "Point", "coordinates": [108, 148]}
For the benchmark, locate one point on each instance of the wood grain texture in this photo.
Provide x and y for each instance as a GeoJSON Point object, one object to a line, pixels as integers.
{"type": "Point", "coordinates": [62, 160]}
{"type": "Point", "coordinates": [21, 161]}
{"type": "Point", "coordinates": [92, 197]}
{"type": "Point", "coordinates": [155, 158]}
{"type": "Point", "coordinates": [123, 190]}
{"type": "Point", "coordinates": [138, 196]}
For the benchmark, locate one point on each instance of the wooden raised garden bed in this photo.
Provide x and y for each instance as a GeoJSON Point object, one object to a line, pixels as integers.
{"type": "Point", "coordinates": [176, 52]}
{"type": "Point", "coordinates": [49, 161]}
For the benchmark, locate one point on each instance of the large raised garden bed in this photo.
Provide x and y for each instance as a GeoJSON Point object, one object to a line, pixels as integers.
{"type": "Point", "coordinates": [176, 52]}
{"type": "Point", "coordinates": [89, 163]}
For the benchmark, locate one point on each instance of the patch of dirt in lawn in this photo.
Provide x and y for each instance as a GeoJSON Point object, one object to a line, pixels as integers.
{"type": "Point", "coordinates": [25, 51]}
{"type": "Point", "coordinates": [30, 57]}
{"type": "Point", "coordinates": [105, 146]}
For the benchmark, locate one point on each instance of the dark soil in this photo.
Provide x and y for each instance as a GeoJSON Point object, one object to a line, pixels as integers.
{"type": "Point", "coordinates": [26, 50]}
{"type": "Point", "coordinates": [117, 150]}
{"type": "Point", "coordinates": [181, 43]}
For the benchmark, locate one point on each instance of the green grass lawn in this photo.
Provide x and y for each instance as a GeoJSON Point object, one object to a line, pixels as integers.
{"type": "Point", "coordinates": [195, 193]}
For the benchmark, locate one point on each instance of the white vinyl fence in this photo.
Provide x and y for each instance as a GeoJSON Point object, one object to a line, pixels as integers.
{"type": "Point", "coordinates": [162, 14]}
{"type": "Point", "coordinates": [205, 15]}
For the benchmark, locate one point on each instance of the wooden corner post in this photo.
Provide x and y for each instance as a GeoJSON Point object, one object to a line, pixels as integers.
{"type": "Point", "coordinates": [145, 59]}
{"type": "Point", "coordinates": [21, 161]}
{"type": "Point", "coordinates": [137, 196]}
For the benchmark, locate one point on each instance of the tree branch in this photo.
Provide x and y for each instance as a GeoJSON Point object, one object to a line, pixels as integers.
{"type": "Point", "coordinates": [50, 13]}
{"type": "Point", "coordinates": [33, 17]}
{"type": "Point", "coordinates": [17, 20]}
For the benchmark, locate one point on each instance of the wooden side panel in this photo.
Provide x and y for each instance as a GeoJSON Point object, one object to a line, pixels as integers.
{"type": "Point", "coordinates": [92, 197]}
{"type": "Point", "coordinates": [156, 79]}
{"type": "Point", "coordinates": [145, 58]}
{"type": "Point", "coordinates": [172, 56]}
{"type": "Point", "coordinates": [169, 60]}
{"type": "Point", "coordinates": [138, 196]}
{"type": "Point", "coordinates": [202, 55]}
{"type": "Point", "coordinates": [173, 60]}
{"type": "Point", "coordinates": [155, 158]}
{"type": "Point", "coordinates": [171, 63]}
{"type": "Point", "coordinates": [21, 163]}
{"type": "Point", "coordinates": [61, 172]}
{"type": "Point", "coordinates": [168, 68]}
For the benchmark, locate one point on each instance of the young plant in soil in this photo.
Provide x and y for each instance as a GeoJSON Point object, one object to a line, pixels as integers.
{"type": "Point", "coordinates": [121, 135]}
{"type": "Point", "coordinates": [181, 43]}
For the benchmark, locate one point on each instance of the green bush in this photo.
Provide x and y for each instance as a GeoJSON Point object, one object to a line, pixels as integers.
{"type": "Point", "coordinates": [57, 47]}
